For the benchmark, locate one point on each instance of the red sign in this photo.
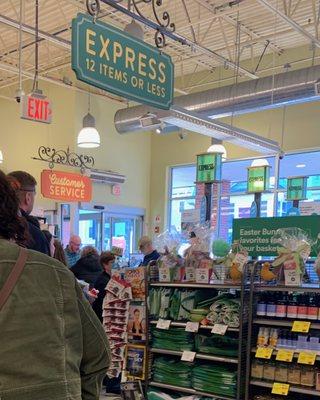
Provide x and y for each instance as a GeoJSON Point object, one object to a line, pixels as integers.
{"type": "Point", "coordinates": [36, 108]}
{"type": "Point", "coordinates": [65, 186]}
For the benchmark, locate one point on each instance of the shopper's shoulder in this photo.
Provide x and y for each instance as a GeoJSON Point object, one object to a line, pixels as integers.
{"type": "Point", "coordinates": [35, 257]}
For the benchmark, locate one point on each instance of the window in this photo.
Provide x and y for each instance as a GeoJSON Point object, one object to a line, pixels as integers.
{"type": "Point", "coordinates": [182, 193]}
{"type": "Point", "coordinates": [234, 201]}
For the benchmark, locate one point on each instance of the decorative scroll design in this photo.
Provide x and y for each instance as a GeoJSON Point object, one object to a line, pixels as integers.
{"type": "Point", "coordinates": [93, 7]}
{"type": "Point", "coordinates": [53, 156]}
{"type": "Point", "coordinates": [162, 18]}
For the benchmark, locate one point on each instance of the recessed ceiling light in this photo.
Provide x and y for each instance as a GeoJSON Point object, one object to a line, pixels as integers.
{"type": "Point", "coordinates": [300, 165]}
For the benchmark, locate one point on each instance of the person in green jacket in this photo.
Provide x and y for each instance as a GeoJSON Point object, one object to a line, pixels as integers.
{"type": "Point", "coordinates": [53, 347]}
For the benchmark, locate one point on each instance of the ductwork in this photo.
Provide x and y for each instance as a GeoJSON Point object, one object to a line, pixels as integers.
{"type": "Point", "coordinates": [264, 93]}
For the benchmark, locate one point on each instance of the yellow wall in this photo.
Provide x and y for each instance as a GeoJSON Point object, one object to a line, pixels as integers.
{"type": "Point", "coordinates": [128, 155]}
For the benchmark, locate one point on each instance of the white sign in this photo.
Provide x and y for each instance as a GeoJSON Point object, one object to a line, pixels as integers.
{"type": "Point", "coordinates": [309, 207]}
{"type": "Point", "coordinates": [203, 275]}
{"type": "Point", "coordinates": [164, 274]}
{"type": "Point", "coordinates": [292, 277]}
{"type": "Point", "coordinates": [163, 324]}
{"type": "Point", "coordinates": [190, 274]}
{"type": "Point", "coordinates": [219, 329]}
{"type": "Point", "coordinates": [192, 327]}
{"type": "Point", "coordinates": [188, 356]}
{"type": "Point", "coordinates": [241, 259]}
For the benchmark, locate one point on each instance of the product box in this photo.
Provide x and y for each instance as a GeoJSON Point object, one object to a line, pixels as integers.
{"type": "Point", "coordinates": [190, 274]}
{"type": "Point", "coordinates": [165, 274]}
{"type": "Point", "coordinates": [203, 275]}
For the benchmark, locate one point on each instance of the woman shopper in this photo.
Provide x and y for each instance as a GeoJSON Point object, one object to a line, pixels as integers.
{"type": "Point", "coordinates": [54, 347]}
{"type": "Point", "coordinates": [106, 261]}
{"type": "Point", "coordinates": [88, 268]}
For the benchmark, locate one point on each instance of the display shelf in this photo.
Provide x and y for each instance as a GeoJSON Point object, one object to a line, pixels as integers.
{"type": "Point", "coordinates": [309, 288]}
{"type": "Point", "coordinates": [199, 356]}
{"type": "Point", "coordinates": [193, 285]}
{"type": "Point", "coordinates": [295, 354]}
{"type": "Point", "coordinates": [189, 390]}
{"type": "Point", "coordinates": [293, 389]}
{"type": "Point", "coordinates": [280, 322]}
{"type": "Point", "coordinates": [183, 325]}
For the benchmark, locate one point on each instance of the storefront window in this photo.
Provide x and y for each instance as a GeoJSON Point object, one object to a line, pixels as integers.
{"type": "Point", "coordinates": [235, 202]}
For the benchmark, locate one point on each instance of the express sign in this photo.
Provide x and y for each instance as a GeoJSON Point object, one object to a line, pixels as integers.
{"type": "Point", "coordinates": [65, 186]}
{"type": "Point", "coordinates": [36, 108]}
{"type": "Point", "coordinates": [113, 60]}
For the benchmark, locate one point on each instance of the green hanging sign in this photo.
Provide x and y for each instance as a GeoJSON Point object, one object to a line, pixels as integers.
{"type": "Point", "coordinates": [113, 60]}
{"type": "Point", "coordinates": [258, 179]}
{"type": "Point", "coordinates": [209, 167]}
{"type": "Point", "coordinates": [297, 188]}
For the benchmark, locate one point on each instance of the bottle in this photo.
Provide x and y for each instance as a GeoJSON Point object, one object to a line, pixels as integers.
{"type": "Point", "coordinates": [281, 308]}
{"type": "Point", "coordinates": [271, 307]}
{"type": "Point", "coordinates": [262, 307]}
{"type": "Point", "coordinates": [273, 340]}
{"type": "Point", "coordinates": [302, 307]}
{"type": "Point", "coordinates": [312, 310]}
{"type": "Point", "coordinates": [292, 309]}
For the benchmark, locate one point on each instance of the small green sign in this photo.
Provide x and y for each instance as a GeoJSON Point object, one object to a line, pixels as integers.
{"type": "Point", "coordinates": [209, 167]}
{"type": "Point", "coordinates": [113, 60]}
{"type": "Point", "coordinates": [256, 234]}
{"type": "Point", "coordinates": [297, 188]}
{"type": "Point", "coordinates": [258, 179]}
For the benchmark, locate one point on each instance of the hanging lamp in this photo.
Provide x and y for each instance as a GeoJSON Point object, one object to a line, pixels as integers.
{"type": "Point", "coordinates": [88, 137]}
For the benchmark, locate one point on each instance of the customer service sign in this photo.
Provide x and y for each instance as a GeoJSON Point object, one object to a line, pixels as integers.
{"type": "Point", "coordinates": [112, 60]}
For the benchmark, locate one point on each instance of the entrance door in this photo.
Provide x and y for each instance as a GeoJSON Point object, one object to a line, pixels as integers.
{"type": "Point", "coordinates": [90, 223]}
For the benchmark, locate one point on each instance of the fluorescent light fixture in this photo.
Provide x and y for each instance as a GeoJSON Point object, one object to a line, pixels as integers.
{"type": "Point", "coordinates": [218, 148]}
{"type": "Point", "coordinates": [1, 157]}
{"type": "Point", "coordinates": [300, 165]}
{"type": "Point", "coordinates": [260, 162]}
{"type": "Point", "coordinates": [88, 137]}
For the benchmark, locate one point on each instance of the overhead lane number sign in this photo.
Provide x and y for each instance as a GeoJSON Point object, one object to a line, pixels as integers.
{"type": "Point", "coordinates": [113, 60]}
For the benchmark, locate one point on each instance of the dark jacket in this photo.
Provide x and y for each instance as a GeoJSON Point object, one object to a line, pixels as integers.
{"type": "Point", "coordinates": [37, 241]}
{"type": "Point", "coordinates": [150, 257]}
{"type": "Point", "coordinates": [100, 284]}
{"type": "Point", "coordinates": [88, 268]}
{"type": "Point", "coordinates": [52, 345]}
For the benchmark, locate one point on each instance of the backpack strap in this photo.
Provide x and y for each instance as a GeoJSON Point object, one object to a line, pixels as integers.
{"type": "Point", "coordinates": [13, 277]}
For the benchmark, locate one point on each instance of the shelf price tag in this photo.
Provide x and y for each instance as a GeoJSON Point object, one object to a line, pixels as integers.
{"type": "Point", "coordinates": [163, 324]}
{"type": "Point", "coordinates": [285, 355]}
{"type": "Point", "coordinates": [280, 388]}
{"type": "Point", "coordinates": [264, 352]}
{"type": "Point", "coordinates": [307, 358]}
{"type": "Point", "coordinates": [192, 327]}
{"type": "Point", "coordinates": [188, 356]}
{"type": "Point", "coordinates": [219, 329]}
{"type": "Point", "coordinates": [301, 326]}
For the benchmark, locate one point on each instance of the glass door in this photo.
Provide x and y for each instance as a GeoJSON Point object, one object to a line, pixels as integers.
{"type": "Point", "coordinates": [90, 223]}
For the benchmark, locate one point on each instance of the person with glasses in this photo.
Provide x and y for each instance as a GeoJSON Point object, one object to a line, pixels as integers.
{"type": "Point", "coordinates": [24, 185]}
{"type": "Point", "coordinates": [72, 251]}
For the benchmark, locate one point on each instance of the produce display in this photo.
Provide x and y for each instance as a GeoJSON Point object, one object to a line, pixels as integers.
{"type": "Point", "coordinates": [211, 379]}
{"type": "Point", "coordinates": [214, 379]}
{"type": "Point", "coordinates": [172, 372]}
{"type": "Point", "coordinates": [194, 305]}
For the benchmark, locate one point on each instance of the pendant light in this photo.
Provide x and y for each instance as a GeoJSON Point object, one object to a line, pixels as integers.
{"type": "Point", "coordinates": [217, 147]}
{"type": "Point", "coordinates": [88, 137]}
{"type": "Point", "coordinates": [1, 157]}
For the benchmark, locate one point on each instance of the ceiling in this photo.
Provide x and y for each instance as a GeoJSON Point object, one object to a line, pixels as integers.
{"type": "Point", "coordinates": [220, 33]}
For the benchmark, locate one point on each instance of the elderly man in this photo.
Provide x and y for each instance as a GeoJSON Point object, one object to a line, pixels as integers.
{"type": "Point", "coordinates": [72, 251]}
{"type": "Point", "coordinates": [146, 248]}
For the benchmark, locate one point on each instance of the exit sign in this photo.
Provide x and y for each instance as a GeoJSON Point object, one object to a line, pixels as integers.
{"type": "Point", "coordinates": [36, 107]}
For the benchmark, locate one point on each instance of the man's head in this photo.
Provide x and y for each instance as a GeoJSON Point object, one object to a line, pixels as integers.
{"type": "Point", "coordinates": [145, 245]}
{"type": "Point", "coordinates": [75, 243]}
{"type": "Point", "coordinates": [25, 187]}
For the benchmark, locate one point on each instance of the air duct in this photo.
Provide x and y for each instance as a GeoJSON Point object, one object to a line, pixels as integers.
{"type": "Point", "coordinates": [287, 88]}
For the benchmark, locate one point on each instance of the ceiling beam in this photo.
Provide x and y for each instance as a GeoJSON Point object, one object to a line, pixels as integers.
{"type": "Point", "coordinates": [181, 39]}
{"type": "Point", "coordinates": [290, 22]}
